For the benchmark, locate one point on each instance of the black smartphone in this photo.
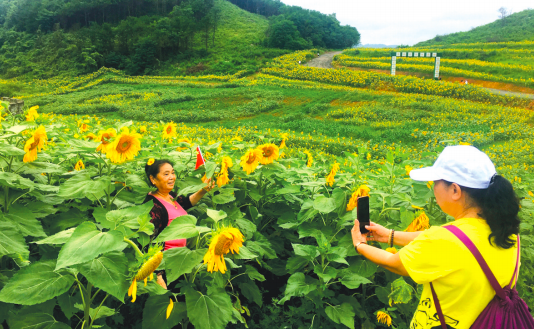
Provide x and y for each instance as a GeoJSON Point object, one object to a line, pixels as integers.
{"type": "Point", "coordinates": [363, 213]}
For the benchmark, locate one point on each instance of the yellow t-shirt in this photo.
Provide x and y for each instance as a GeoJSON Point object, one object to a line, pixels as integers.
{"type": "Point", "coordinates": [463, 290]}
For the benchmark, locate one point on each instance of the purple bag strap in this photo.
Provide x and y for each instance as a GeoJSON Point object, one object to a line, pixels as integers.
{"type": "Point", "coordinates": [474, 250]}
{"type": "Point", "coordinates": [438, 307]}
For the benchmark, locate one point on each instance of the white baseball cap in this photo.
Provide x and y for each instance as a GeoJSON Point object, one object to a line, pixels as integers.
{"type": "Point", "coordinates": [462, 164]}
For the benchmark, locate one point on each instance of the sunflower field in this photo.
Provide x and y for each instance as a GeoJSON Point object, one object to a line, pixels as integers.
{"type": "Point", "coordinates": [290, 150]}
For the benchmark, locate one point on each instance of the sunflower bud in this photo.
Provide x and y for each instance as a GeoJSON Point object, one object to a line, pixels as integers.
{"type": "Point", "coordinates": [150, 266]}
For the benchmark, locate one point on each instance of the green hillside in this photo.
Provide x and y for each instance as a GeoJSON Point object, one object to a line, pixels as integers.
{"type": "Point", "coordinates": [516, 27]}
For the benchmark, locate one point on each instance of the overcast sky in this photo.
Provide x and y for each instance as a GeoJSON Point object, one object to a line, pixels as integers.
{"type": "Point", "coordinates": [410, 21]}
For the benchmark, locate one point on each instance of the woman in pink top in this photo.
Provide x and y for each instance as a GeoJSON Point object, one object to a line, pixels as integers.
{"type": "Point", "coordinates": [167, 205]}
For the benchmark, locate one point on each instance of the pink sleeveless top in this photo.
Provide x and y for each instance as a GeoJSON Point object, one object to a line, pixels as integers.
{"type": "Point", "coordinates": [173, 213]}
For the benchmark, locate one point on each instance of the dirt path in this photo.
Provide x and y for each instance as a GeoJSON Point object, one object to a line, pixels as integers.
{"type": "Point", "coordinates": [324, 61]}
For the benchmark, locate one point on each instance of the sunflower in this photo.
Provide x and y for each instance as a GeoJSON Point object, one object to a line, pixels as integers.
{"type": "Point", "coordinates": [330, 178]}
{"type": "Point", "coordinates": [84, 127]}
{"type": "Point", "coordinates": [226, 240]}
{"type": "Point", "coordinates": [35, 144]}
{"type": "Point", "coordinates": [169, 308]}
{"type": "Point", "coordinates": [104, 137]}
{"type": "Point", "coordinates": [383, 317]}
{"type": "Point", "coordinates": [429, 184]}
{"type": "Point", "coordinates": [32, 113]}
{"type": "Point", "coordinates": [91, 137]}
{"type": "Point", "coordinates": [79, 165]}
{"type": "Point", "coordinates": [270, 152]}
{"type": "Point", "coordinates": [392, 250]}
{"type": "Point", "coordinates": [363, 190]}
{"type": "Point", "coordinates": [183, 140]}
{"type": "Point", "coordinates": [146, 271]}
{"type": "Point", "coordinates": [310, 159]}
{"type": "Point", "coordinates": [150, 161]}
{"type": "Point", "coordinates": [169, 131]}
{"type": "Point", "coordinates": [125, 147]}
{"type": "Point", "coordinates": [283, 144]}
{"type": "Point", "coordinates": [421, 222]}
{"type": "Point", "coordinates": [142, 129]}
{"type": "Point", "coordinates": [222, 178]}
{"type": "Point", "coordinates": [250, 160]}
{"type": "Point", "coordinates": [408, 169]}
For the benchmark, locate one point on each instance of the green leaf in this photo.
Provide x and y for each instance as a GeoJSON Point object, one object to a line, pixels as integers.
{"type": "Point", "coordinates": [82, 185]}
{"type": "Point", "coordinates": [298, 285]}
{"type": "Point", "coordinates": [292, 189]}
{"type": "Point", "coordinates": [211, 311]}
{"type": "Point", "coordinates": [36, 283]}
{"type": "Point", "coordinates": [341, 314]}
{"type": "Point", "coordinates": [58, 238]}
{"type": "Point", "coordinates": [324, 204]}
{"type": "Point", "coordinates": [15, 181]}
{"type": "Point", "coordinates": [296, 263]}
{"type": "Point", "coordinates": [183, 227]}
{"type": "Point", "coordinates": [66, 303]}
{"type": "Point", "coordinates": [245, 253]}
{"type": "Point", "coordinates": [216, 215]}
{"type": "Point", "coordinates": [223, 198]}
{"type": "Point", "coordinates": [108, 272]}
{"type": "Point", "coordinates": [9, 149]}
{"type": "Point", "coordinates": [179, 261]}
{"type": "Point", "coordinates": [253, 273]}
{"type": "Point", "coordinates": [11, 241]}
{"type": "Point", "coordinates": [155, 313]}
{"type": "Point", "coordinates": [38, 168]}
{"type": "Point", "coordinates": [251, 291]}
{"type": "Point", "coordinates": [306, 251]}
{"type": "Point", "coordinates": [101, 312]}
{"type": "Point", "coordinates": [25, 221]}
{"type": "Point", "coordinates": [35, 317]}
{"type": "Point", "coordinates": [86, 243]}
{"type": "Point", "coordinates": [191, 189]}
{"type": "Point", "coordinates": [261, 246]}
{"type": "Point", "coordinates": [401, 292]}
{"type": "Point", "coordinates": [363, 267]}
{"type": "Point", "coordinates": [352, 280]}
{"type": "Point", "coordinates": [327, 274]}
{"type": "Point", "coordinates": [136, 218]}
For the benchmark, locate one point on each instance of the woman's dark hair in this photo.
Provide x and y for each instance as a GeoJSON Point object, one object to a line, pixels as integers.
{"type": "Point", "coordinates": [153, 169]}
{"type": "Point", "coordinates": [500, 207]}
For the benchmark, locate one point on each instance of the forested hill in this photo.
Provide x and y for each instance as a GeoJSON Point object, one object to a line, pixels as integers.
{"type": "Point", "coordinates": [43, 38]}
{"type": "Point", "coordinates": [514, 27]}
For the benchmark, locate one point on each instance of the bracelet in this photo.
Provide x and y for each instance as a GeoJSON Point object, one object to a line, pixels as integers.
{"type": "Point", "coordinates": [356, 246]}
{"type": "Point", "coordinates": [389, 236]}
{"type": "Point", "coordinates": [392, 238]}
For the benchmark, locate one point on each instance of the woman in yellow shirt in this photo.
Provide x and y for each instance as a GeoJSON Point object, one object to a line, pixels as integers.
{"type": "Point", "coordinates": [485, 208]}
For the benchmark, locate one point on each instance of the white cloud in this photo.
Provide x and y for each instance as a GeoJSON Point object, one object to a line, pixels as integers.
{"type": "Point", "coordinates": [411, 21]}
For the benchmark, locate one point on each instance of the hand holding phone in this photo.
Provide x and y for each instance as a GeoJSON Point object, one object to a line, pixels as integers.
{"type": "Point", "coordinates": [363, 213]}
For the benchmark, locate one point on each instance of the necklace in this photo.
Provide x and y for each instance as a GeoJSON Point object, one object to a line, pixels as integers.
{"type": "Point", "coordinates": [165, 198]}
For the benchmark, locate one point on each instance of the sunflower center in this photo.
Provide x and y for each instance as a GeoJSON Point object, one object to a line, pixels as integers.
{"type": "Point", "coordinates": [36, 140]}
{"type": "Point", "coordinates": [169, 130]}
{"type": "Point", "coordinates": [267, 152]}
{"type": "Point", "coordinates": [105, 138]}
{"type": "Point", "coordinates": [223, 245]}
{"type": "Point", "coordinates": [251, 159]}
{"type": "Point", "coordinates": [124, 144]}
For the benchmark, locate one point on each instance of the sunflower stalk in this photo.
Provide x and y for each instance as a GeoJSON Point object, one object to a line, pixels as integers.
{"type": "Point", "coordinates": [134, 246]}
{"type": "Point", "coordinates": [6, 188]}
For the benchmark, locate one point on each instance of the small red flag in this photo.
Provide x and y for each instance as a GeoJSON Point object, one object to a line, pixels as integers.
{"type": "Point", "coordinates": [200, 158]}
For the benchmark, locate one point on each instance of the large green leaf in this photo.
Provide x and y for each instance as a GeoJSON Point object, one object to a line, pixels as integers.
{"type": "Point", "coordinates": [298, 285]}
{"type": "Point", "coordinates": [223, 198]}
{"type": "Point", "coordinates": [38, 168]}
{"type": "Point", "coordinates": [307, 251]}
{"type": "Point", "coordinates": [155, 313]}
{"type": "Point", "coordinates": [216, 215]}
{"type": "Point", "coordinates": [179, 261]}
{"type": "Point", "coordinates": [108, 272]}
{"type": "Point", "coordinates": [86, 243]}
{"type": "Point", "coordinates": [182, 227]}
{"type": "Point", "coordinates": [251, 291]}
{"type": "Point", "coordinates": [35, 317]}
{"type": "Point", "coordinates": [58, 238]}
{"type": "Point", "coordinates": [324, 204]}
{"type": "Point", "coordinates": [11, 240]}
{"type": "Point", "coordinates": [352, 280]}
{"type": "Point", "coordinates": [363, 267]}
{"type": "Point", "coordinates": [37, 283]}
{"type": "Point", "coordinates": [25, 221]}
{"type": "Point", "coordinates": [15, 180]}
{"type": "Point", "coordinates": [9, 149]}
{"type": "Point", "coordinates": [135, 218]}
{"type": "Point", "coordinates": [401, 292]}
{"type": "Point", "coordinates": [211, 311]}
{"type": "Point", "coordinates": [253, 273]}
{"type": "Point", "coordinates": [82, 185]}
{"type": "Point", "coordinates": [343, 313]}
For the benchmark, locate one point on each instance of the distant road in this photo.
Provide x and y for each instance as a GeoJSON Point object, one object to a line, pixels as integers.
{"type": "Point", "coordinates": [325, 61]}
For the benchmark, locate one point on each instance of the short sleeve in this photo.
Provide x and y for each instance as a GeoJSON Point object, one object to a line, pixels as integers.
{"type": "Point", "coordinates": [430, 256]}
{"type": "Point", "coordinates": [184, 201]}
